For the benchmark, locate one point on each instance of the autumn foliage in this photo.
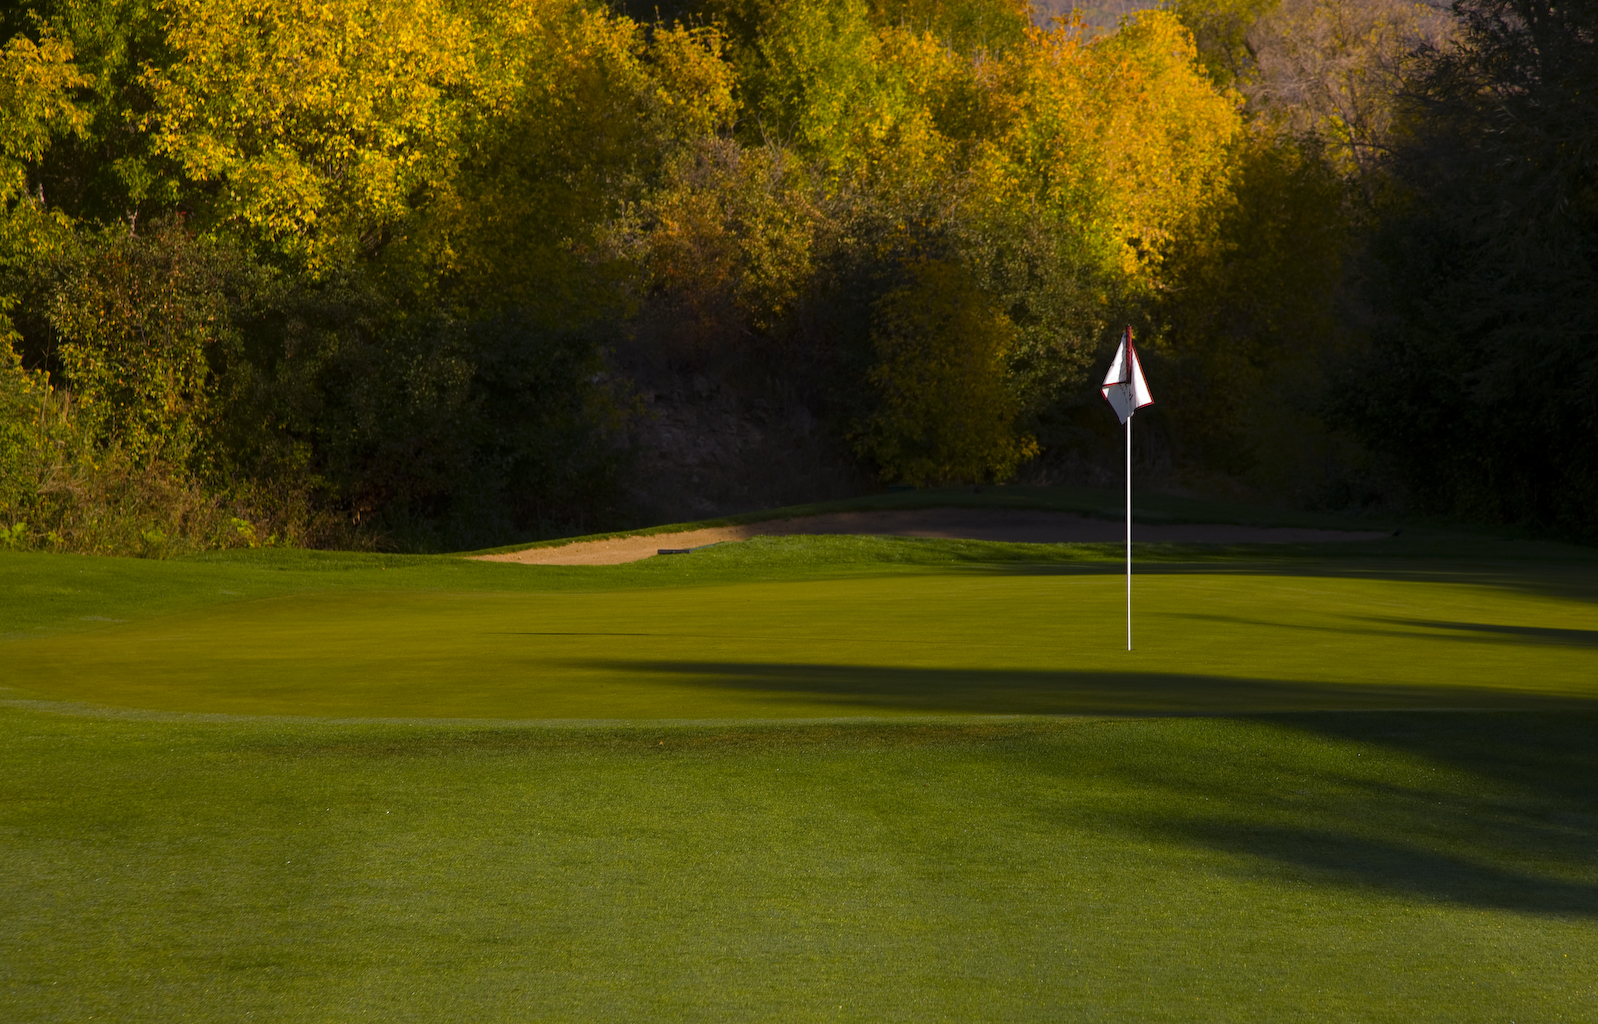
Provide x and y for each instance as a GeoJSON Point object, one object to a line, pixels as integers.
{"type": "Point", "coordinates": [391, 272]}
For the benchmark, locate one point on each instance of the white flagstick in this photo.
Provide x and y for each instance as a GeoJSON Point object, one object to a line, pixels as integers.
{"type": "Point", "coordinates": [1129, 532]}
{"type": "Point", "coordinates": [1127, 392]}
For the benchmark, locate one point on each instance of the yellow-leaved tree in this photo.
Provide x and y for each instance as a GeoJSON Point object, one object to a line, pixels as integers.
{"type": "Point", "coordinates": [1059, 171]}
{"type": "Point", "coordinates": [314, 125]}
{"type": "Point", "coordinates": [1122, 139]}
{"type": "Point", "coordinates": [590, 112]}
{"type": "Point", "coordinates": [37, 81]}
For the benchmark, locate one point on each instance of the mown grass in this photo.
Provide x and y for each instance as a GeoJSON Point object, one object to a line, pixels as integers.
{"type": "Point", "coordinates": [1349, 867]}
{"type": "Point", "coordinates": [801, 628]}
{"type": "Point", "coordinates": [819, 779]}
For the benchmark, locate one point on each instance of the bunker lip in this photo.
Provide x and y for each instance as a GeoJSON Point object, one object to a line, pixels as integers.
{"type": "Point", "coordinates": [1009, 525]}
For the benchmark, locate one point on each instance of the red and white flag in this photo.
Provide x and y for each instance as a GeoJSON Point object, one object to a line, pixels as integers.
{"type": "Point", "coordinates": [1124, 387]}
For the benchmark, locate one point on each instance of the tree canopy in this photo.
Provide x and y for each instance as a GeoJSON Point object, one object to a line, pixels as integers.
{"type": "Point", "coordinates": [401, 272]}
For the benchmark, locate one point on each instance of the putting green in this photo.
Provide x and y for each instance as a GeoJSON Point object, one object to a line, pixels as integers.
{"type": "Point", "coordinates": [967, 642]}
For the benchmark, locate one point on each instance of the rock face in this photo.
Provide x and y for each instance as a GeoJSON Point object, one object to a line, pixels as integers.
{"type": "Point", "coordinates": [702, 449]}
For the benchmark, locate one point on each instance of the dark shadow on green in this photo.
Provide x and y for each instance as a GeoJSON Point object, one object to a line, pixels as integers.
{"type": "Point", "coordinates": [1058, 692]}
{"type": "Point", "coordinates": [1325, 855]}
{"type": "Point", "coordinates": [1472, 632]}
{"type": "Point", "coordinates": [1490, 810]}
{"type": "Point", "coordinates": [1539, 635]}
{"type": "Point", "coordinates": [1552, 756]}
{"type": "Point", "coordinates": [1547, 761]}
{"type": "Point", "coordinates": [1515, 787]}
{"type": "Point", "coordinates": [772, 559]}
{"type": "Point", "coordinates": [1359, 825]}
{"type": "Point", "coordinates": [1572, 582]}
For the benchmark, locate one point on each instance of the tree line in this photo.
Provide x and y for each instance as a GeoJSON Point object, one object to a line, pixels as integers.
{"type": "Point", "coordinates": [342, 272]}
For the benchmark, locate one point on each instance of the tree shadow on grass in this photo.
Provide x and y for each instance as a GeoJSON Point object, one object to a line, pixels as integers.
{"type": "Point", "coordinates": [1458, 872]}
{"type": "Point", "coordinates": [1495, 810]}
{"type": "Point", "coordinates": [1424, 629]}
{"type": "Point", "coordinates": [1491, 810]}
{"type": "Point", "coordinates": [1552, 754]}
{"type": "Point", "coordinates": [1505, 634]}
{"type": "Point", "coordinates": [865, 688]}
{"type": "Point", "coordinates": [1578, 582]}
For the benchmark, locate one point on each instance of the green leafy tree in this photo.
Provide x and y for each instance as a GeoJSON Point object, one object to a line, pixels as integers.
{"type": "Point", "coordinates": [37, 110]}
{"type": "Point", "coordinates": [946, 414]}
{"type": "Point", "coordinates": [1246, 332]}
{"type": "Point", "coordinates": [477, 215]}
{"type": "Point", "coordinates": [136, 317]}
{"type": "Point", "coordinates": [594, 115]}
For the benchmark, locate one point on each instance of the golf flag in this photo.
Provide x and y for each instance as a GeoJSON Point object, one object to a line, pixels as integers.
{"type": "Point", "coordinates": [1124, 387]}
{"type": "Point", "coordinates": [1127, 392]}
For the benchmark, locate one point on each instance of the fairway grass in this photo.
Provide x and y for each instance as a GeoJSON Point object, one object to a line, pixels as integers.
{"type": "Point", "coordinates": [1394, 866]}
{"type": "Point", "coordinates": [802, 779]}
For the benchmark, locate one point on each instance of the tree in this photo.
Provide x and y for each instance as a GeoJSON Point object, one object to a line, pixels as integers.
{"type": "Point", "coordinates": [379, 258]}
{"type": "Point", "coordinates": [1247, 325]}
{"type": "Point", "coordinates": [136, 317]}
{"type": "Point", "coordinates": [37, 110]}
{"type": "Point", "coordinates": [1483, 370]}
{"type": "Point", "coordinates": [946, 414]}
{"type": "Point", "coordinates": [1331, 69]}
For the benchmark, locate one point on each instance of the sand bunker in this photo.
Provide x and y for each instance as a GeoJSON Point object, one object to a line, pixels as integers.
{"type": "Point", "coordinates": [954, 523]}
